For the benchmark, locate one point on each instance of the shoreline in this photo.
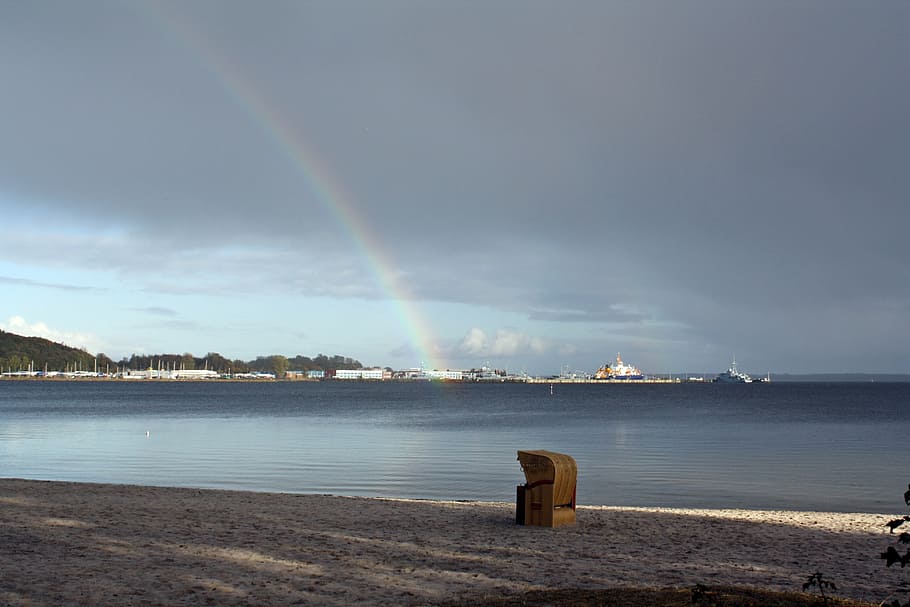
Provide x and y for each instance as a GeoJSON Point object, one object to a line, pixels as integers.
{"type": "Point", "coordinates": [530, 380]}
{"type": "Point", "coordinates": [64, 542]}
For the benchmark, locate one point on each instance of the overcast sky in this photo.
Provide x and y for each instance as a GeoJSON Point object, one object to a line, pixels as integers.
{"type": "Point", "coordinates": [531, 184]}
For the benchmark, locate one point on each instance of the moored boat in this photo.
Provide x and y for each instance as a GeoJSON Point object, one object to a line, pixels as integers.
{"type": "Point", "coordinates": [618, 370]}
{"type": "Point", "coordinates": [733, 376]}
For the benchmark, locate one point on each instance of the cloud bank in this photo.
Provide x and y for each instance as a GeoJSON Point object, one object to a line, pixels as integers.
{"type": "Point", "coordinates": [680, 180]}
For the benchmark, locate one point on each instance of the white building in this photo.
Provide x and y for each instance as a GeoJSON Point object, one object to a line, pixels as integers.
{"type": "Point", "coordinates": [446, 374]}
{"type": "Point", "coordinates": [254, 375]}
{"type": "Point", "coordinates": [193, 374]}
{"type": "Point", "coordinates": [375, 373]}
{"type": "Point", "coordinates": [348, 373]}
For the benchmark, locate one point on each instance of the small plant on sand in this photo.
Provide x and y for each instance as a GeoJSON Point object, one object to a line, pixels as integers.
{"type": "Point", "coordinates": [891, 556]}
{"type": "Point", "coordinates": [699, 594]}
{"type": "Point", "coordinates": [818, 580]}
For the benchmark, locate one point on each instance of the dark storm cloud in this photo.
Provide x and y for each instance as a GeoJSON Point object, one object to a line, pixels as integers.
{"type": "Point", "coordinates": [734, 170]}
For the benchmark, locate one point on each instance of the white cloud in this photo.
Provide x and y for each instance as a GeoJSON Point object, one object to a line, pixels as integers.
{"type": "Point", "coordinates": [509, 343]}
{"type": "Point", "coordinates": [505, 342]}
{"type": "Point", "coordinates": [20, 326]}
{"type": "Point", "coordinates": [474, 343]}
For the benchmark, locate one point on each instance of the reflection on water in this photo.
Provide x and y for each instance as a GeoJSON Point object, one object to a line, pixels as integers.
{"type": "Point", "coordinates": [798, 446]}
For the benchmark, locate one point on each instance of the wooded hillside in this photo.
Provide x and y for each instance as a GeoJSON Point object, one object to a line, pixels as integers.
{"type": "Point", "coordinates": [18, 353]}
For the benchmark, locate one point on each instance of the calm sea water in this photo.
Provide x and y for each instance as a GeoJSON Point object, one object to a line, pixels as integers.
{"type": "Point", "coordinates": [806, 446]}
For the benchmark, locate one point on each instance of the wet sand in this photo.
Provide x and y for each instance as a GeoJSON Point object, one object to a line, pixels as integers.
{"type": "Point", "coordinates": [89, 544]}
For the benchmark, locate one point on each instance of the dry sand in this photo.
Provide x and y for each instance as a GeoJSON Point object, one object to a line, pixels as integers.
{"type": "Point", "coordinates": [88, 544]}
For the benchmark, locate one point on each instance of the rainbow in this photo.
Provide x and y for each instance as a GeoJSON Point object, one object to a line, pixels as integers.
{"type": "Point", "coordinates": [328, 190]}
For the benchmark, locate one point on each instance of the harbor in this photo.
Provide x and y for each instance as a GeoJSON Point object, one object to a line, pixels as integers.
{"type": "Point", "coordinates": [29, 358]}
{"type": "Point", "coordinates": [593, 380]}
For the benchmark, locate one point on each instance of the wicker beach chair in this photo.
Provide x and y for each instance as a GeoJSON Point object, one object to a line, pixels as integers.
{"type": "Point", "coordinates": [547, 499]}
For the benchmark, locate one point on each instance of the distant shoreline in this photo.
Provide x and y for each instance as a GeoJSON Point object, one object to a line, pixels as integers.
{"type": "Point", "coordinates": [825, 378]}
{"type": "Point", "coordinates": [532, 380]}
{"type": "Point", "coordinates": [153, 380]}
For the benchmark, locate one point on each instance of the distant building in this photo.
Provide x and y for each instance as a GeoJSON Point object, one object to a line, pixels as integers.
{"type": "Point", "coordinates": [412, 373]}
{"type": "Point", "coordinates": [309, 374]}
{"type": "Point", "coordinates": [193, 374]}
{"type": "Point", "coordinates": [133, 374]}
{"type": "Point", "coordinates": [348, 373]}
{"type": "Point", "coordinates": [446, 374]}
{"type": "Point", "coordinates": [375, 373]}
{"type": "Point", "coordinates": [254, 375]}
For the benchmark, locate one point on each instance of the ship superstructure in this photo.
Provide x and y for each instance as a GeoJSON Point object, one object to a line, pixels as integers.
{"type": "Point", "coordinates": [733, 376]}
{"type": "Point", "coordinates": [618, 370]}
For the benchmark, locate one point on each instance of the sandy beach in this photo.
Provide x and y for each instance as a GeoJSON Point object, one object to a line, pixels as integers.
{"type": "Point", "coordinates": [90, 544]}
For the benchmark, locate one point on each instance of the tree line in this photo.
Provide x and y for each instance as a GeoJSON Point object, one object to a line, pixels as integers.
{"type": "Point", "coordinates": [18, 353]}
{"type": "Point", "coordinates": [276, 363]}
